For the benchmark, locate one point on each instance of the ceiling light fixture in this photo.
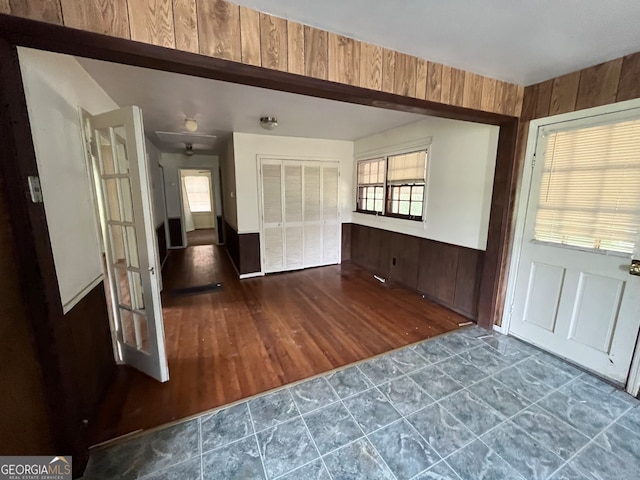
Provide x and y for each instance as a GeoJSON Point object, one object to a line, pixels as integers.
{"type": "Point", "coordinates": [190, 124]}
{"type": "Point", "coordinates": [268, 123]}
{"type": "Point", "coordinates": [189, 150]}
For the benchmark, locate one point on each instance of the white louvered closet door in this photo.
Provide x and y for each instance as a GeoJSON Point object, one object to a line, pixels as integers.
{"type": "Point", "coordinates": [272, 220]}
{"type": "Point", "coordinates": [312, 215]}
{"type": "Point", "coordinates": [293, 218]}
{"type": "Point", "coordinates": [330, 215]}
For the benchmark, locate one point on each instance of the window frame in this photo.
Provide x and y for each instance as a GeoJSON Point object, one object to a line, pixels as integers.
{"type": "Point", "coordinates": [369, 185]}
{"type": "Point", "coordinates": [388, 186]}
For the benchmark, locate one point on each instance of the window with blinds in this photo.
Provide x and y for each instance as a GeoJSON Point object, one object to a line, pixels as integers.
{"type": "Point", "coordinates": [371, 185]}
{"type": "Point", "coordinates": [589, 195]}
{"type": "Point", "coordinates": [393, 185]}
{"type": "Point", "coordinates": [198, 193]}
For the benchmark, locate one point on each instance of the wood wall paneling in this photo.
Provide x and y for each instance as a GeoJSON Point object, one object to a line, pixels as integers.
{"type": "Point", "coordinates": [564, 93]}
{"type": "Point", "coordinates": [24, 421]}
{"type": "Point", "coordinates": [316, 52]}
{"type": "Point", "coordinates": [629, 86]}
{"type": "Point", "coordinates": [232, 244]}
{"type": "Point", "coordinates": [151, 21]}
{"type": "Point", "coordinates": [422, 75]}
{"type": "Point", "coordinates": [447, 274]}
{"type": "Point", "coordinates": [175, 231]}
{"type": "Point", "coordinates": [388, 70]}
{"type": "Point", "coordinates": [507, 99]}
{"type": "Point", "coordinates": [529, 102]}
{"type": "Point", "coordinates": [543, 102]}
{"type": "Point", "coordinates": [488, 101]}
{"type": "Point", "coordinates": [295, 47]}
{"type": "Point", "coordinates": [435, 84]}
{"type": "Point", "coordinates": [599, 84]}
{"type": "Point", "coordinates": [344, 60]}
{"type": "Point", "coordinates": [370, 66]}
{"type": "Point", "coordinates": [42, 10]}
{"type": "Point", "coordinates": [249, 250]}
{"type": "Point", "coordinates": [445, 89]}
{"type": "Point", "coordinates": [109, 17]}
{"type": "Point", "coordinates": [219, 29]}
{"type": "Point", "coordinates": [161, 240]}
{"type": "Point", "coordinates": [405, 251]}
{"type": "Point", "coordinates": [467, 286]}
{"type": "Point", "coordinates": [346, 242]}
{"type": "Point", "coordinates": [91, 347]}
{"type": "Point", "coordinates": [185, 21]}
{"type": "Point", "coordinates": [405, 75]}
{"type": "Point", "coordinates": [250, 36]}
{"type": "Point", "coordinates": [273, 42]}
{"type": "Point", "coordinates": [472, 97]}
{"type": "Point", "coordinates": [457, 87]}
{"type": "Point", "coordinates": [5, 7]}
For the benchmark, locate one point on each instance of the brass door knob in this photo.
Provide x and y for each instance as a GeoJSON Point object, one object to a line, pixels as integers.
{"type": "Point", "coordinates": [634, 268]}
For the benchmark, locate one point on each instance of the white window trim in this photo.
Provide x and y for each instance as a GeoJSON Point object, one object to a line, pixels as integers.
{"type": "Point", "coordinates": [385, 153]}
{"type": "Point", "coordinates": [591, 116]}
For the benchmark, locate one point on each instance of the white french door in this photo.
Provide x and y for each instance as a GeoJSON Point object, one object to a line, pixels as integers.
{"type": "Point", "coordinates": [121, 180]}
{"type": "Point", "coordinates": [300, 215]}
{"type": "Point", "coordinates": [573, 294]}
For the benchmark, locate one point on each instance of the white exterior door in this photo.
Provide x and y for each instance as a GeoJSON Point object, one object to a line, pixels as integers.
{"type": "Point", "coordinates": [300, 216]}
{"type": "Point", "coordinates": [121, 179]}
{"type": "Point", "coordinates": [573, 294]}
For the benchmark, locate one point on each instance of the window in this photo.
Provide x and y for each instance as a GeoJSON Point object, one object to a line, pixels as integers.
{"type": "Point", "coordinates": [394, 185]}
{"type": "Point", "coordinates": [371, 185]}
{"type": "Point", "coordinates": [198, 193]}
{"type": "Point", "coordinates": [589, 196]}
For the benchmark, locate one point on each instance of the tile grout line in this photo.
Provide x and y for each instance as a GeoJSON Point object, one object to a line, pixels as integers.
{"type": "Point", "coordinates": [310, 436]}
{"type": "Point", "coordinates": [201, 448]}
{"type": "Point", "coordinates": [255, 437]}
{"type": "Point", "coordinates": [402, 417]}
{"type": "Point", "coordinates": [592, 442]}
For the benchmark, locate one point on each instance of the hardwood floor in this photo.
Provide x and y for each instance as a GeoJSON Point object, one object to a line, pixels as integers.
{"type": "Point", "coordinates": [258, 334]}
{"type": "Point", "coordinates": [204, 236]}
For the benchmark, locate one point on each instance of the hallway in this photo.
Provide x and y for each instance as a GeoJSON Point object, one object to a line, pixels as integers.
{"type": "Point", "coordinates": [258, 334]}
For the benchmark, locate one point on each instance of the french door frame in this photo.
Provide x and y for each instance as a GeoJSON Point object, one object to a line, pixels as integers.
{"type": "Point", "coordinates": [521, 201]}
{"type": "Point", "coordinates": [34, 255]}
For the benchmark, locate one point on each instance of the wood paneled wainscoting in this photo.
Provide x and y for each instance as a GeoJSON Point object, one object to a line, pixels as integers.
{"type": "Point", "coordinates": [447, 274]}
{"type": "Point", "coordinates": [243, 249]}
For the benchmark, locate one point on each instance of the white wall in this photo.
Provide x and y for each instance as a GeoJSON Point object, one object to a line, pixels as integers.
{"type": "Point", "coordinates": [55, 86]}
{"type": "Point", "coordinates": [228, 180]}
{"type": "Point", "coordinates": [247, 147]}
{"type": "Point", "coordinates": [172, 163]}
{"type": "Point", "coordinates": [460, 179]}
{"type": "Point", "coordinates": [157, 188]}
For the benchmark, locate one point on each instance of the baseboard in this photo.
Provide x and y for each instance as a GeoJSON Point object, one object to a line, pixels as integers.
{"type": "Point", "coordinates": [251, 275]}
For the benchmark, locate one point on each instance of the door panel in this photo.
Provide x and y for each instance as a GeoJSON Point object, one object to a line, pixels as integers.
{"type": "Point", "coordinates": [578, 300]}
{"type": "Point", "coordinates": [122, 182]}
{"type": "Point", "coordinates": [272, 220]}
{"type": "Point", "coordinates": [543, 295]}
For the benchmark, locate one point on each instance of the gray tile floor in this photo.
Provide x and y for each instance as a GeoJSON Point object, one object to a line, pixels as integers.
{"type": "Point", "coordinates": [417, 413]}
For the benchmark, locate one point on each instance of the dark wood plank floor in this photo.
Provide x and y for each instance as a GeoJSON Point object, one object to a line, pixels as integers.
{"type": "Point", "coordinates": [259, 334]}
{"type": "Point", "coordinates": [203, 236]}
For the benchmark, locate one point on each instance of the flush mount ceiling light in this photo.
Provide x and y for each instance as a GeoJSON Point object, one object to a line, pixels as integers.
{"type": "Point", "coordinates": [268, 123]}
{"type": "Point", "coordinates": [189, 150]}
{"type": "Point", "coordinates": [190, 124]}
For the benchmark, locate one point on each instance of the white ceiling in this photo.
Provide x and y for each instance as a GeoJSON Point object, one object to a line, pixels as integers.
{"type": "Point", "coordinates": [167, 99]}
{"type": "Point", "coordinates": [520, 41]}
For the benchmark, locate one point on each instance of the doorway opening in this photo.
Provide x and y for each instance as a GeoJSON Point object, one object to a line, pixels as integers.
{"type": "Point", "coordinates": [198, 207]}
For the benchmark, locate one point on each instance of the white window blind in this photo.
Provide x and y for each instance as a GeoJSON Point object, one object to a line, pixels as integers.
{"type": "Point", "coordinates": [590, 189]}
{"type": "Point", "coordinates": [407, 168]}
{"type": "Point", "coordinates": [198, 193]}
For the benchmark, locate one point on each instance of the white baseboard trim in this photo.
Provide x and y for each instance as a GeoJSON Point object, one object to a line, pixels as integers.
{"type": "Point", "coordinates": [251, 275]}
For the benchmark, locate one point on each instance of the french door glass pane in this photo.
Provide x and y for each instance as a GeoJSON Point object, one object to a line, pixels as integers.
{"type": "Point", "coordinates": [122, 159]}
{"type": "Point", "coordinates": [106, 154]}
